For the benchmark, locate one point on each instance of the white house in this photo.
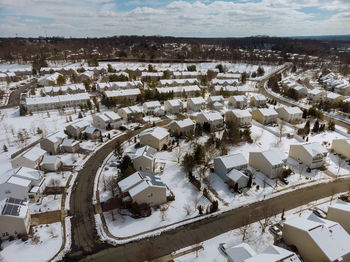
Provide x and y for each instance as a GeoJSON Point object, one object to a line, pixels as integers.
{"type": "Point", "coordinates": [258, 100]}
{"type": "Point", "coordinates": [242, 117]}
{"type": "Point", "coordinates": [76, 129]}
{"type": "Point", "coordinates": [107, 120]}
{"type": "Point", "coordinates": [30, 158]}
{"type": "Point", "coordinates": [51, 163]}
{"type": "Point", "coordinates": [290, 114]}
{"type": "Point", "coordinates": [51, 144]}
{"type": "Point", "coordinates": [182, 127]}
{"type": "Point", "coordinates": [156, 137]}
{"type": "Point", "coordinates": [150, 107]}
{"type": "Point", "coordinates": [70, 145]}
{"type": "Point", "coordinates": [311, 154]}
{"type": "Point", "coordinates": [269, 162]}
{"type": "Point", "coordinates": [340, 212]}
{"type": "Point", "coordinates": [49, 79]}
{"type": "Point", "coordinates": [174, 106]}
{"type": "Point", "coordinates": [317, 239]}
{"type": "Point", "coordinates": [131, 113]}
{"type": "Point", "coordinates": [215, 120]}
{"type": "Point", "coordinates": [195, 103]}
{"type": "Point", "coordinates": [342, 147]}
{"type": "Point", "coordinates": [224, 164]}
{"type": "Point", "coordinates": [316, 95]}
{"type": "Point", "coordinates": [238, 101]}
{"type": "Point", "coordinates": [265, 116]}
{"type": "Point", "coordinates": [143, 159]}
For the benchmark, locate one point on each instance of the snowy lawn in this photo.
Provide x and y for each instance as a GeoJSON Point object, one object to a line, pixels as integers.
{"type": "Point", "coordinates": [42, 246]}
{"type": "Point", "coordinates": [46, 204]}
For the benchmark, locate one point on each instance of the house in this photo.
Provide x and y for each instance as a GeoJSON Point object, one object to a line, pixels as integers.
{"type": "Point", "coordinates": [51, 144]}
{"type": "Point", "coordinates": [149, 108]}
{"type": "Point", "coordinates": [343, 89]}
{"type": "Point", "coordinates": [143, 159]}
{"type": "Point", "coordinates": [131, 113]}
{"type": "Point", "coordinates": [51, 163]}
{"type": "Point", "coordinates": [182, 127]}
{"type": "Point", "coordinates": [64, 90]}
{"type": "Point", "coordinates": [244, 253]}
{"type": "Point", "coordinates": [311, 154]}
{"type": "Point", "coordinates": [224, 82]}
{"type": "Point", "coordinates": [258, 100]}
{"type": "Point", "coordinates": [317, 239]}
{"type": "Point", "coordinates": [340, 212]}
{"type": "Point", "coordinates": [186, 74]}
{"type": "Point", "coordinates": [290, 114]}
{"type": "Point", "coordinates": [30, 158]}
{"type": "Point", "coordinates": [342, 147]}
{"type": "Point", "coordinates": [14, 218]}
{"type": "Point", "coordinates": [316, 95]}
{"type": "Point", "coordinates": [215, 120]}
{"type": "Point", "coordinates": [228, 76]}
{"type": "Point", "coordinates": [49, 80]}
{"type": "Point", "coordinates": [92, 133]}
{"type": "Point", "coordinates": [238, 101]}
{"type": "Point", "coordinates": [195, 103]}
{"type": "Point", "coordinates": [225, 164]}
{"type": "Point", "coordinates": [242, 117]}
{"type": "Point", "coordinates": [33, 104]}
{"type": "Point", "coordinates": [334, 98]}
{"type": "Point", "coordinates": [269, 162]}
{"type": "Point", "coordinates": [237, 177]}
{"type": "Point", "coordinates": [151, 76]}
{"type": "Point", "coordinates": [265, 116]}
{"type": "Point", "coordinates": [76, 130]}
{"type": "Point", "coordinates": [107, 120]}
{"type": "Point", "coordinates": [156, 137]}
{"type": "Point", "coordinates": [214, 99]}
{"type": "Point", "coordinates": [180, 91]}
{"type": "Point", "coordinates": [301, 91]}
{"type": "Point", "coordinates": [70, 145]}
{"type": "Point", "coordinates": [123, 95]}
{"type": "Point", "coordinates": [143, 188]}
{"type": "Point", "coordinates": [178, 82]}
{"type": "Point", "coordinates": [174, 106]}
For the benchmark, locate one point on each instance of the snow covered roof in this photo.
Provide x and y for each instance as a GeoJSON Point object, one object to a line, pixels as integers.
{"type": "Point", "coordinates": [90, 129]}
{"type": "Point", "coordinates": [315, 91]}
{"type": "Point", "coordinates": [28, 173]}
{"type": "Point", "coordinates": [34, 153]}
{"type": "Point", "coordinates": [233, 161]}
{"type": "Point", "coordinates": [152, 104]}
{"type": "Point", "coordinates": [235, 175]}
{"type": "Point", "coordinates": [146, 151]}
{"type": "Point", "coordinates": [57, 99]}
{"type": "Point", "coordinates": [157, 132]}
{"type": "Point", "coordinates": [228, 75]}
{"type": "Point", "coordinates": [56, 137]}
{"type": "Point", "coordinates": [139, 181]}
{"type": "Point", "coordinates": [342, 205]}
{"type": "Point", "coordinates": [329, 236]}
{"type": "Point", "coordinates": [314, 148]}
{"type": "Point", "coordinates": [273, 254]}
{"type": "Point", "coordinates": [274, 156]}
{"type": "Point", "coordinates": [332, 96]}
{"type": "Point", "coordinates": [212, 116]}
{"type": "Point", "coordinates": [175, 102]}
{"type": "Point", "coordinates": [179, 89]}
{"type": "Point", "coordinates": [130, 181]}
{"type": "Point", "coordinates": [216, 98]}
{"type": "Point", "coordinates": [240, 252]}
{"type": "Point", "coordinates": [185, 123]}
{"type": "Point", "coordinates": [241, 113]}
{"type": "Point", "coordinates": [157, 74]}
{"type": "Point", "coordinates": [178, 81]}
{"type": "Point", "coordinates": [268, 112]}
{"type": "Point", "coordinates": [132, 109]}
{"type": "Point", "coordinates": [292, 110]}
{"type": "Point", "coordinates": [239, 98]}
{"type": "Point", "coordinates": [19, 181]}
{"type": "Point", "coordinates": [216, 81]}
{"type": "Point", "coordinates": [69, 142]}
{"type": "Point", "coordinates": [111, 115]}
{"type": "Point", "coordinates": [259, 97]}
{"type": "Point", "coordinates": [48, 159]}
{"type": "Point", "coordinates": [124, 92]}
{"type": "Point", "coordinates": [197, 100]}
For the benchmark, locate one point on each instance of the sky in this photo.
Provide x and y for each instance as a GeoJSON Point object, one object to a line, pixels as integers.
{"type": "Point", "coordinates": [199, 18]}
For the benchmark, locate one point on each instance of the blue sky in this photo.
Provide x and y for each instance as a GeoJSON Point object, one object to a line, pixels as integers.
{"type": "Point", "coordinates": [199, 18]}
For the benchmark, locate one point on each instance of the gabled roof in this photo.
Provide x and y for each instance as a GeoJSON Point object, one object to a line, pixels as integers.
{"type": "Point", "coordinates": [54, 138]}
{"type": "Point", "coordinates": [28, 173]}
{"type": "Point", "coordinates": [197, 100]}
{"type": "Point", "coordinates": [233, 161]}
{"type": "Point", "coordinates": [241, 113]}
{"type": "Point", "coordinates": [112, 116]}
{"type": "Point", "coordinates": [69, 142]}
{"type": "Point", "coordinates": [259, 97]}
{"type": "Point", "coordinates": [213, 116]}
{"type": "Point", "coordinates": [184, 123]}
{"type": "Point", "coordinates": [292, 110]}
{"type": "Point", "coordinates": [239, 98]}
{"type": "Point", "coordinates": [19, 181]}
{"type": "Point", "coordinates": [268, 112]}
{"type": "Point", "coordinates": [240, 252]}
{"type": "Point", "coordinates": [314, 148]}
{"type": "Point", "coordinates": [157, 132]}
{"type": "Point", "coordinates": [34, 153]}
{"type": "Point", "coordinates": [48, 159]}
{"type": "Point", "coordinates": [174, 102]}
{"type": "Point", "coordinates": [152, 104]}
{"type": "Point", "coordinates": [273, 254]}
{"type": "Point", "coordinates": [274, 156]}
{"type": "Point", "coordinates": [216, 98]}
{"type": "Point", "coordinates": [145, 151]}
{"type": "Point", "coordinates": [235, 175]}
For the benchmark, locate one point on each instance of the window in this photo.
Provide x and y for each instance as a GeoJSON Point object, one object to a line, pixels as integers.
{"type": "Point", "coordinates": [149, 195]}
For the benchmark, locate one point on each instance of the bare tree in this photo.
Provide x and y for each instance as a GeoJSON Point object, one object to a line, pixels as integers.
{"type": "Point", "coordinates": [163, 213]}
{"type": "Point", "coordinates": [281, 129]}
{"type": "Point", "coordinates": [178, 153]}
{"type": "Point", "coordinates": [245, 230]}
{"type": "Point", "coordinates": [112, 185]}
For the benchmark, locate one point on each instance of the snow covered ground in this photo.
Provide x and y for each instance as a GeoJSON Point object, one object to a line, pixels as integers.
{"type": "Point", "coordinates": [43, 246]}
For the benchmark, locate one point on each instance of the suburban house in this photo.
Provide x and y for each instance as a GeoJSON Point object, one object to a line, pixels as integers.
{"type": "Point", "coordinates": [258, 100]}
{"type": "Point", "coordinates": [143, 159]}
{"type": "Point", "coordinates": [14, 218]}
{"type": "Point", "coordinates": [342, 147]}
{"type": "Point", "coordinates": [182, 127]}
{"type": "Point", "coordinates": [107, 120]}
{"type": "Point", "coordinates": [238, 101]}
{"type": "Point", "coordinates": [244, 253]}
{"type": "Point", "coordinates": [92, 133]}
{"type": "Point", "coordinates": [228, 76]}
{"type": "Point", "coordinates": [180, 91]}
{"type": "Point", "coordinates": [149, 108]}
{"type": "Point", "coordinates": [290, 114]}
{"type": "Point", "coordinates": [317, 239]}
{"type": "Point", "coordinates": [34, 104]}
{"type": "Point", "coordinates": [51, 144]}
{"type": "Point", "coordinates": [178, 82]}
{"type": "Point", "coordinates": [269, 162]}
{"type": "Point", "coordinates": [30, 158]}
{"type": "Point", "coordinates": [265, 116]}
{"type": "Point", "coordinates": [301, 91]}
{"type": "Point", "coordinates": [213, 99]}
{"type": "Point", "coordinates": [224, 82]}
{"type": "Point", "coordinates": [340, 212]}
{"type": "Point", "coordinates": [151, 76]}
{"type": "Point", "coordinates": [156, 137]}
{"type": "Point", "coordinates": [316, 95]}
{"type": "Point", "coordinates": [64, 90]}
{"type": "Point", "coordinates": [242, 117]}
{"type": "Point", "coordinates": [51, 163]}
{"type": "Point", "coordinates": [131, 113]}
{"type": "Point", "coordinates": [143, 188]}
{"type": "Point", "coordinates": [224, 164]}
{"type": "Point", "coordinates": [76, 130]}
{"type": "Point", "coordinates": [195, 103]}
{"type": "Point", "coordinates": [186, 74]}
{"type": "Point", "coordinates": [70, 145]}
{"type": "Point", "coordinates": [49, 80]}
{"type": "Point", "coordinates": [334, 98]}
{"type": "Point", "coordinates": [311, 154]}
{"type": "Point", "coordinates": [215, 120]}
{"type": "Point", "coordinates": [174, 106]}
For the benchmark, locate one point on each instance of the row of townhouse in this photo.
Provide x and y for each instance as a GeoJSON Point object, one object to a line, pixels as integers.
{"type": "Point", "coordinates": [122, 95]}
{"type": "Point", "coordinates": [340, 86]}
{"type": "Point", "coordinates": [34, 104]}
{"type": "Point", "coordinates": [119, 85]}
{"type": "Point", "coordinates": [180, 91]}
{"type": "Point", "coordinates": [178, 82]}
{"type": "Point", "coordinates": [64, 90]}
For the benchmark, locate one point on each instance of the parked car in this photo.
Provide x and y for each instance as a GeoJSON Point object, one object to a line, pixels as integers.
{"type": "Point", "coordinates": [275, 230]}
{"type": "Point", "coordinates": [318, 213]}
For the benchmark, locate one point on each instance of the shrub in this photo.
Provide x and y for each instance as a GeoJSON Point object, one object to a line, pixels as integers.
{"type": "Point", "coordinates": [214, 206]}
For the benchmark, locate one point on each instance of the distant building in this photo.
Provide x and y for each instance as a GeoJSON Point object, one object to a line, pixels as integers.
{"type": "Point", "coordinates": [195, 103]}
{"type": "Point", "coordinates": [131, 113]}
{"type": "Point", "coordinates": [107, 120]}
{"type": "Point", "coordinates": [238, 101]}
{"type": "Point", "coordinates": [258, 100]}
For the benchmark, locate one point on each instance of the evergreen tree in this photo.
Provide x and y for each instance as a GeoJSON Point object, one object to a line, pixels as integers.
{"type": "Point", "coordinates": [316, 127]}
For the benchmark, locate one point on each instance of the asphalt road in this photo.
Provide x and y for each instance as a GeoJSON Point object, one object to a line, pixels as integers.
{"type": "Point", "coordinates": [208, 228]}
{"type": "Point", "coordinates": [14, 99]}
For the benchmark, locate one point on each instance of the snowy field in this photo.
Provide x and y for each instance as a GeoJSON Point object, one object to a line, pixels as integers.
{"type": "Point", "coordinates": [45, 243]}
